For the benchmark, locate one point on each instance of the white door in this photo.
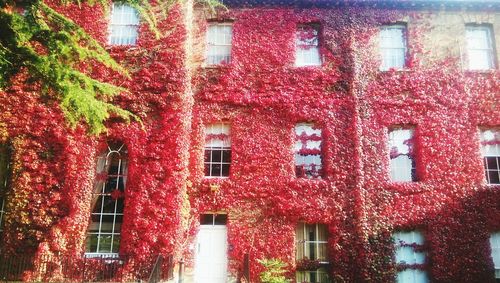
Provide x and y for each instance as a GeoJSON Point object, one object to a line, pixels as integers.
{"type": "Point", "coordinates": [211, 254]}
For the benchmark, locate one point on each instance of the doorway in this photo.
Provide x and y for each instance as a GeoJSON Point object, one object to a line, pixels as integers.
{"type": "Point", "coordinates": [211, 249]}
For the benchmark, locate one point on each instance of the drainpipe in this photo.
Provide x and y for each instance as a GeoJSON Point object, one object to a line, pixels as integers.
{"type": "Point", "coordinates": [181, 270]}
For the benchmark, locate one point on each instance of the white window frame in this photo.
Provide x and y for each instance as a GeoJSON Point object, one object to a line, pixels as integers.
{"type": "Point", "coordinates": [495, 252]}
{"type": "Point", "coordinates": [302, 161]}
{"type": "Point", "coordinates": [418, 257]}
{"type": "Point", "coordinates": [223, 145]}
{"type": "Point", "coordinates": [490, 149]}
{"type": "Point", "coordinates": [100, 195]}
{"type": "Point", "coordinates": [215, 45]}
{"type": "Point", "coordinates": [307, 52]}
{"type": "Point", "coordinates": [127, 22]}
{"type": "Point", "coordinates": [393, 47]}
{"type": "Point", "coordinates": [400, 170]}
{"type": "Point", "coordinates": [488, 50]}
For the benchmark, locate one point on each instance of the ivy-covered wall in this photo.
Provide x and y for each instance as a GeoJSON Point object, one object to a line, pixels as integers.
{"type": "Point", "coordinates": [263, 95]}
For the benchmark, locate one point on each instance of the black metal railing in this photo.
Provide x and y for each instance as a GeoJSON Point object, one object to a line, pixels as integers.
{"type": "Point", "coordinates": [162, 269]}
{"type": "Point", "coordinates": [245, 278]}
{"type": "Point", "coordinates": [83, 269]}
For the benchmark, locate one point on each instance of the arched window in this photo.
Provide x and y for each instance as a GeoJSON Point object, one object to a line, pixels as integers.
{"type": "Point", "coordinates": [103, 237]}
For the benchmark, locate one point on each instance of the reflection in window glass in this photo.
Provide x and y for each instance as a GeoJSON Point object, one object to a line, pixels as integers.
{"type": "Point", "coordinates": [308, 159]}
{"type": "Point", "coordinates": [401, 146]}
{"type": "Point", "coordinates": [307, 46]}
{"type": "Point", "coordinates": [410, 256]}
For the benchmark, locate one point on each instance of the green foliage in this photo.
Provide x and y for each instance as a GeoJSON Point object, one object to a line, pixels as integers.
{"type": "Point", "coordinates": [51, 48]}
{"type": "Point", "coordinates": [274, 270]}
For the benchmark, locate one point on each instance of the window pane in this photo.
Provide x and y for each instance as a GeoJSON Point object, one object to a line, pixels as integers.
{"type": "Point", "coordinates": [109, 205]}
{"type": "Point", "coordinates": [216, 155]}
{"type": "Point", "coordinates": [215, 169]}
{"type": "Point", "coordinates": [402, 161]}
{"type": "Point", "coordinates": [412, 276]}
{"type": "Point", "coordinates": [207, 169]}
{"type": "Point", "coordinates": [495, 249]}
{"type": "Point", "coordinates": [401, 169]}
{"type": "Point", "coordinates": [392, 47]}
{"type": "Point", "coordinates": [314, 276]}
{"type": "Point", "coordinates": [116, 243]}
{"type": "Point", "coordinates": [225, 170]}
{"type": "Point", "coordinates": [104, 244]}
{"type": "Point", "coordinates": [123, 26]}
{"type": "Point", "coordinates": [91, 243]}
{"type": "Point", "coordinates": [493, 177]}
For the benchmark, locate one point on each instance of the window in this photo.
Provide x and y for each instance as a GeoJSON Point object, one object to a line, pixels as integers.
{"type": "Point", "coordinates": [490, 149]}
{"type": "Point", "coordinates": [480, 47]}
{"type": "Point", "coordinates": [308, 151]}
{"type": "Point", "coordinates": [4, 176]}
{"type": "Point", "coordinates": [495, 253]}
{"type": "Point", "coordinates": [217, 150]}
{"type": "Point", "coordinates": [219, 41]}
{"type": "Point", "coordinates": [103, 237]}
{"type": "Point", "coordinates": [401, 144]}
{"type": "Point", "coordinates": [307, 46]}
{"type": "Point", "coordinates": [410, 257]}
{"type": "Point", "coordinates": [312, 253]}
{"type": "Point", "coordinates": [124, 25]}
{"type": "Point", "coordinates": [213, 219]}
{"type": "Point", "coordinates": [393, 47]}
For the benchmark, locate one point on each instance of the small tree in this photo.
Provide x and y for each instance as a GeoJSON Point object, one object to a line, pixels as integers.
{"type": "Point", "coordinates": [274, 270]}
